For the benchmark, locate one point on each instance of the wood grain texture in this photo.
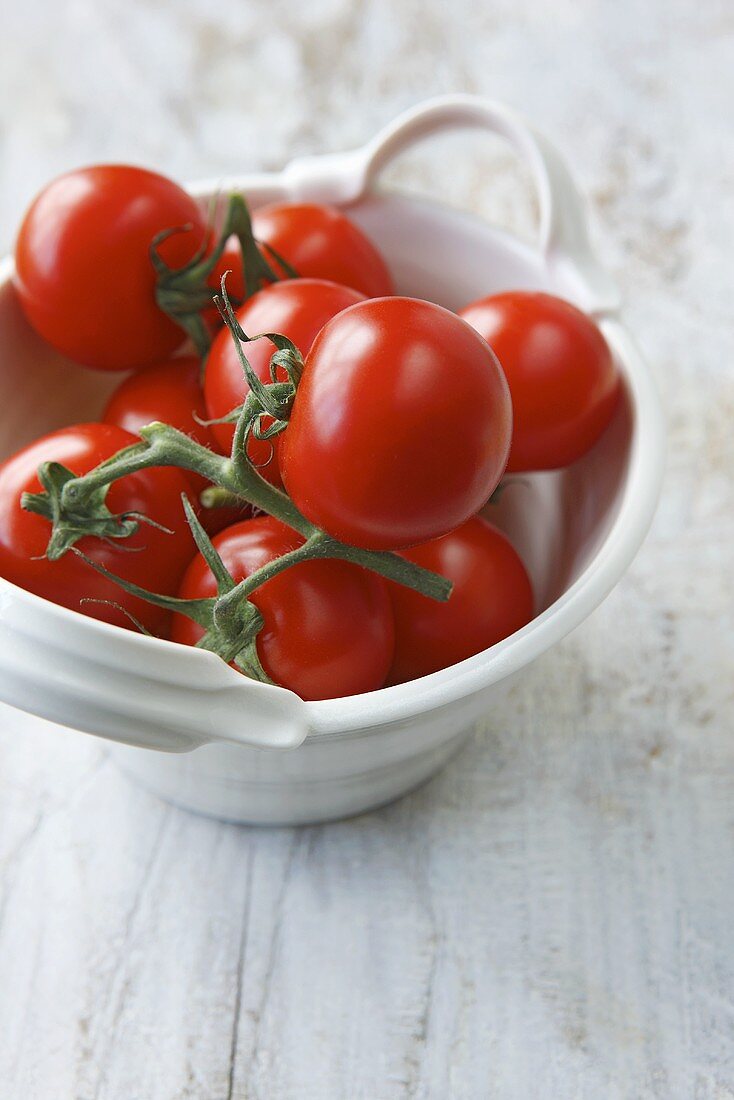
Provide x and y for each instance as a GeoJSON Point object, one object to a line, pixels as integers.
{"type": "Point", "coordinates": [552, 916]}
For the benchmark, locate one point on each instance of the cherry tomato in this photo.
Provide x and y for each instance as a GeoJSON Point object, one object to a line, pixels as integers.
{"type": "Point", "coordinates": [401, 425]}
{"type": "Point", "coordinates": [83, 270]}
{"type": "Point", "coordinates": [168, 391]}
{"type": "Point", "coordinates": [296, 308]}
{"type": "Point", "coordinates": [150, 557]}
{"type": "Point", "coordinates": [491, 599]}
{"type": "Point", "coordinates": [328, 624]}
{"type": "Point", "coordinates": [560, 371]}
{"type": "Point", "coordinates": [321, 243]}
{"type": "Point", "coordinates": [171, 392]}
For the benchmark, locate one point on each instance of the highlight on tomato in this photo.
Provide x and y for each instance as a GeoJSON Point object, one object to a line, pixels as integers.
{"type": "Point", "coordinates": [401, 425]}
{"type": "Point", "coordinates": [321, 242]}
{"type": "Point", "coordinates": [328, 627]}
{"type": "Point", "coordinates": [296, 308]}
{"type": "Point", "coordinates": [152, 557]}
{"type": "Point", "coordinates": [562, 377]}
{"type": "Point", "coordinates": [492, 597]}
{"type": "Point", "coordinates": [83, 270]}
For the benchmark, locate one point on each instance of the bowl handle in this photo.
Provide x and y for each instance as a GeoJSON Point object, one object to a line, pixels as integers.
{"type": "Point", "coordinates": [563, 233]}
{"type": "Point", "coordinates": [157, 696]}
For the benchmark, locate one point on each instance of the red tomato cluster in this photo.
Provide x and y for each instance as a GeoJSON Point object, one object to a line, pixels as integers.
{"type": "Point", "coordinates": [404, 420]}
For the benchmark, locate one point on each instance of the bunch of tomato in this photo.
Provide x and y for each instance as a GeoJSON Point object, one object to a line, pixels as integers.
{"type": "Point", "coordinates": [404, 420]}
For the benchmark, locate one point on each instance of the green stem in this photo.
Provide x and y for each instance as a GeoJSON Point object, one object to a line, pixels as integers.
{"type": "Point", "coordinates": [214, 496]}
{"type": "Point", "coordinates": [308, 551]}
{"type": "Point", "coordinates": [184, 293]}
{"type": "Point", "coordinates": [234, 638]}
{"type": "Point", "coordinates": [164, 446]}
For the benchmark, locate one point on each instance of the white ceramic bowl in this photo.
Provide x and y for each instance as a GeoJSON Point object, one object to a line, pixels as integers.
{"type": "Point", "coordinates": [261, 754]}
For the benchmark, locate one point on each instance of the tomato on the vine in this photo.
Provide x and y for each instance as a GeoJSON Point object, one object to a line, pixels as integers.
{"type": "Point", "coordinates": [401, 425]}
{"type": "Point", "coordinates": [328, 627]}
{"type": "Point", "coordinates": [171, 392]}
{"type": "Point", "coordinates": [151, 557]}
{"type": "Point", "coordinates": [562, 377]}
{"type": "Point", "coordinates": [83, 270]}
{"type": "Point", "coordinates": [492, 598]}
{"type": "Point", "coordinates": [320, 242]}
{"type": "Point", "coordinates": [296, 308]}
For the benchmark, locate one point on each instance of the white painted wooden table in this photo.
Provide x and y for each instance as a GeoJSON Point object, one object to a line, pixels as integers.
{"type": "Point", "coordinates": [554, 916]}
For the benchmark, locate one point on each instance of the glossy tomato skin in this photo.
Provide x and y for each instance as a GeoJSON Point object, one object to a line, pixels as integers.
{"type": "Point", "coordinates": [168, 391]}
{"type": "Point", "coordinates": [563, 380]}
{"type": "Point", "coordinates": [322, 243]}
{"type": "Point", "coordinates": [328, 624]}
{"type": "Point", "coordinates": [492, 598]}
{"type": "Point", "coordinates": [150, 558]}
{"type": "Point", "coordinates": [401, 425]}
{"type": "Point", "coordinates": [83, 270]}
{"type": "Point", "coordinates": [296, 308]}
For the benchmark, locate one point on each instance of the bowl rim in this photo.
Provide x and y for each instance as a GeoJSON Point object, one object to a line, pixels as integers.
{"type": "Point", "coordinates": [635, 511]}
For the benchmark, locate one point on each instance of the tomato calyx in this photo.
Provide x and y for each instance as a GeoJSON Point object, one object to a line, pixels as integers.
{"type": "Point", "coordinates": [68, 525]}
{"type": "Point", "coordinates": [184, 294]}
{"type": "Point", "coordinates": [229, 620]}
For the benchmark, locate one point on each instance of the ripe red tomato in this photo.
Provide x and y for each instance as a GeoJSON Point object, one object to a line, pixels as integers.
{"type": "Point", "coordinates": [401, 425]}
{"type": "Point", "coordinates": [321, 243]}
{"type": "Point", "coordinates": [491, 599]}
{"type": "Point", "coordinates": [83, 270]}
{"type": "Point", "coordinates": [328, 624]}
{"type": "Point", "coordinates": [168, 391]}
{"type": "Point", "coordinates": [560, 371]}
{"type": "Point", "coordinates": [296, 308]}
{"type": "Point", "coordinates": [150, 557]}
